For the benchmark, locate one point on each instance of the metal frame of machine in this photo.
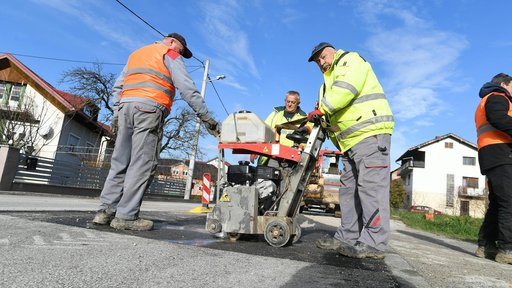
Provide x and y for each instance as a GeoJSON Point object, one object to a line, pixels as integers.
{"type": "Point", "coordinates": [241, 210]}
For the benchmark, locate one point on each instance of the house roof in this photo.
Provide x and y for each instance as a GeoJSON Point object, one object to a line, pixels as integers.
{"type": "Point", "coordinates": [461, 140]}
{"type": "Point", "coordinates": [200, 167]}
{"type": "Point", "coordinates": [68, 103]}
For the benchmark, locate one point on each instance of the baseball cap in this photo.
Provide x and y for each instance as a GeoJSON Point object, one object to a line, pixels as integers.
{"type": "Point", "coordinates": [186, 52]}
{"type": "Point", "coordinates": [318, 48]}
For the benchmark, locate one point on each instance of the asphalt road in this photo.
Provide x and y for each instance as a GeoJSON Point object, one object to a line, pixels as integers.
{"type": "Point", "coordinates": [247, 262]}
{"type": "Point", "coordinates": [49, 241]}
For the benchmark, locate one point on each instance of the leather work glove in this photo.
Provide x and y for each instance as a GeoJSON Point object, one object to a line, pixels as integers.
{"type": "Point", "coordinates": [304, 130]}
{"type": "Point", "coordinates": [315, 115]}
{"type": "Point", "coordinates": [212, 126]}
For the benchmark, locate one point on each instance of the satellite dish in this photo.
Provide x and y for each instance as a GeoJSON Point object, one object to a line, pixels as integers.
{"type": "Point", "coordinates": [46, 132]}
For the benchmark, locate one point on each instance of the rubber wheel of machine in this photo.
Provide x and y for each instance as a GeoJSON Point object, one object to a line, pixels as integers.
{"type": "Point", "coordinates": [213, 226]}
{"type": "Point", "coordinates": [277, 233]}
{"type": "Point", "coordinates": [232, 236]}
{"type": "Point", "coordinates": [298, 233]}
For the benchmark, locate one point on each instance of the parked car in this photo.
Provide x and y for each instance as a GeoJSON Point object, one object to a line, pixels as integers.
{"type": "Point", "coordinates": [424, 209]}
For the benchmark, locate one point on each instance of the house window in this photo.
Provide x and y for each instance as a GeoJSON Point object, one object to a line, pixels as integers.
{"type": "Point", "coordinates": [408, 180]}
{"type": "Point", "coordinates": [15, 93]}
{"type": "Point", "coordinates": [88, 111]}
{"type": "Point", "coordinates": [448, 145]}
{"type": "Point", "coordinates": [175, 172]}
{"type": "Point", "coordinates": [73, 141]}
{"type": "Point", "coordinates": [469, 161]}
{"type": "Point", "coordinates": [450, 188]}
{"type": "Point", "coordinates": [3, 89]}
{"type": "Point", "coordinates": [185, 172]}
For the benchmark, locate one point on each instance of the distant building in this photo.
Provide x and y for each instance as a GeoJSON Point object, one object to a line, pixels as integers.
{"type": "Point", "coordinates": [47, 122]}
{"type": "Point", "coordinates": [443, 173]}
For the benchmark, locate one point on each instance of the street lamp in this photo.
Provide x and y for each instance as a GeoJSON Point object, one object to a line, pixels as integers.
{"type": "Point", "coordinates": [188, 186]}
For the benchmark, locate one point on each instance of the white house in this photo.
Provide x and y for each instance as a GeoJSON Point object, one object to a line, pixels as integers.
{"type": "Point", "coordinates": [44, 121]}
{"type": "Point", "coordinates": [443, 173]}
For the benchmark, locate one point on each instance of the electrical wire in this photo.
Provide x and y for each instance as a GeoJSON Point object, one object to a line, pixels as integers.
{"type": "Point", "coordinates": [140, 18]}
{"type": "Point", "coordinates": [200, 61]}
{"type": "Point", "coordinates": [218, 96]}
{"type": "Point", "coordinates": [65, 60]}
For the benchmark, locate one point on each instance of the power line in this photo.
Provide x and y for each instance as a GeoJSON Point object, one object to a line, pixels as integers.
{"type": "Point", "coordinates": [151, 26]}
{"type": "Point", "coordinates": [218, 96]}
{"type": "Point", "coordinates": [64, 60]}
{"type": "Point", "coordinates": [140, 18]}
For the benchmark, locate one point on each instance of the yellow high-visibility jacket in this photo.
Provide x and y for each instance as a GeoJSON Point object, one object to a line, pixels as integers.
{"type": "Point", "coordinates": [277, 117]}
{"type": "Point", "coordinates": [353, 100]}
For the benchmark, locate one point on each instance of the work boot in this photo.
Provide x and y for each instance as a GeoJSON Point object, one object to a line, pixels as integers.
{"type": "Point", "coordinates": [504, 256]}
{"type": "Point", "coordinates": [135, 225]}
{"type": "Point", "coordinates": [360, 250]}
{"type": "Point", "coordinates": [488, 251]}
{"type": "Point", "coordinates": [103, 218]}
{"type": "Point", "coordinates": [330, 243]}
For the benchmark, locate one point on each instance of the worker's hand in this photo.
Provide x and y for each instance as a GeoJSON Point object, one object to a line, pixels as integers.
{"type": "Point", "coordinates": [212, 126]}
{"type": "Point", "coordinates": [316, 105]}
{"type": "Point", "coordinates": [114, 125]}
{"type": "Point", "coordinates": [315, 115]}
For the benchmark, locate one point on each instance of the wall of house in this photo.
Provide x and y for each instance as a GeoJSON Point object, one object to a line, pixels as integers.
{"type": "Point", "coordinates": [430, 183]}
{"type": "Point", "coordinates": [86, 138]}
{"type": "Point", "coordinates": [50, 117]}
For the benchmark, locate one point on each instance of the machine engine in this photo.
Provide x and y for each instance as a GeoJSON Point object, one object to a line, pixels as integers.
{"type": "Point", "coordinates": [265, 179]}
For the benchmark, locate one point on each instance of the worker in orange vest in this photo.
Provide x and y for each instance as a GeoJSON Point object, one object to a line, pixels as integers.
{"type": "Point", "coordinates": [493, 119]}
{"type": "Point", "coordinates": [143, 97]}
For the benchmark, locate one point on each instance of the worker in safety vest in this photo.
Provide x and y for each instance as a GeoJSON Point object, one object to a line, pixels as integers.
{"type": "Point", "coordinates": [282, 114]}
{"type": "Point", "coordinates": [143, 97]}
{"type": "Point", "coordinates": [352, 100]}
{"type": "Point", "coordinates": [493, 119]}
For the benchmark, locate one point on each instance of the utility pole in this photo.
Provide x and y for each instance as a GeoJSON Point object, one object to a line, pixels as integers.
{"type": "Point", "coordinates": [191, 164]}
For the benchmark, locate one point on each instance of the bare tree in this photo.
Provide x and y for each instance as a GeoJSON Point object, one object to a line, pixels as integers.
{"type": "Point", "coordinates": [93, 84]}
{"type": "Point", "coordinates": [96, 85]}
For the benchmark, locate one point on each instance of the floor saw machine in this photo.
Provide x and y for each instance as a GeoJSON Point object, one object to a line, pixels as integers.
{"type": "Point", "coordinates": [263, 199]}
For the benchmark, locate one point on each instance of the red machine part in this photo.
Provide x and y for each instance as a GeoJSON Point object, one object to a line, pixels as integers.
{"type": "Point", "coordinates": [271, 150]}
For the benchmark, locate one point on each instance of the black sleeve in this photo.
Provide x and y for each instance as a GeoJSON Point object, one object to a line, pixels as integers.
{"type": "Point", "coordinates": [496, 110]}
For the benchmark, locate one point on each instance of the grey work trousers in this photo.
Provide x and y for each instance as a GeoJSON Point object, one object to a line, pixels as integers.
{"type": "Point", "coordinates": [364, 193]}
{"type": "Point", "coordinates": [134, 159]}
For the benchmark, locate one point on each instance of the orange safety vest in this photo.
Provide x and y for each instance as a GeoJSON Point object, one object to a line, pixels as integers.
{"type": "Point", "coordinates": [148, 77]}
{"type": "Point", "coordinates": [486, 133]}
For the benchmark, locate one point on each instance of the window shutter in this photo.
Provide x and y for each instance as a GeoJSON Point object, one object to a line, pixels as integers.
{"type": "Point", "coordinates": [7, 93]}
{"type": "Point", "coordinates": [22, 94]}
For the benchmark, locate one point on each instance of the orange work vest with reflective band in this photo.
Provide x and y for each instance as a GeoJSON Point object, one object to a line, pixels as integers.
{"type": "Point", "coordinates": [148, 77]}
{"type": "Point", "coordinates": [486, 133]}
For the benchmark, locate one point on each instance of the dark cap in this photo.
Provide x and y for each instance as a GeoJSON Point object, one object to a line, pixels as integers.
{"type": "Point", "coordinates": [186, 52]}
{"type": "Point", "coordinates": [318, 48]}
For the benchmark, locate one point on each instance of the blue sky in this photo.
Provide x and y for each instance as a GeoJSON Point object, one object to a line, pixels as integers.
{"type": "Point", "coordinates": [430, 56]}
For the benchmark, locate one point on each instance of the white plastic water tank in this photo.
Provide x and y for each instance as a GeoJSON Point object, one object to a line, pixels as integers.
{"type": "Point", "coordinates": [245, 127]}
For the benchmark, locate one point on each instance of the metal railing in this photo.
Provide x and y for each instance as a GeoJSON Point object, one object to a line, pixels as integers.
{"type": "Point", "coordinates": [47, 171]}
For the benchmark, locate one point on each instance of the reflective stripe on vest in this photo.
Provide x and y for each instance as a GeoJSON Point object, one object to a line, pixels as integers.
{"type": "Point", "coordinates": [356, 127]}
{"type": "Point", "coordinates": [148, 77]}
{"type": "Point", "coordinates": [486, 133]}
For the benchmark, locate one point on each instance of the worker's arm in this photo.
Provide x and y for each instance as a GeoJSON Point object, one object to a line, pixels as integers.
{"type": "Point", "coordinates": [117, 88]}
{"type": "Point", "coordinates": [188, 91]}
{"type": "Point", "coordinates": [496, 110]}
{"type": "Point", "coordinates": [350, 75]}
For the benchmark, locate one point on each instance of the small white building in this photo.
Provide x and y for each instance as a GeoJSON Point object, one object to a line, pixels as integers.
{"type": "Point", "coordinates": [443, 173]}
{"type": "Point", "coordinates": [47, 122]}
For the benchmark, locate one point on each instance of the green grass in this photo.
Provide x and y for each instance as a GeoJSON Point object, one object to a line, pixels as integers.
{"type": "Point", "coordinates": [458, 227]}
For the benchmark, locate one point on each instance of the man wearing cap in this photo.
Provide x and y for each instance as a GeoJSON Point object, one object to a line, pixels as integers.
{"type": "Point", "coordinates": [143, 96]}
{"type": "Point", "coordinates": [352, 100]}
